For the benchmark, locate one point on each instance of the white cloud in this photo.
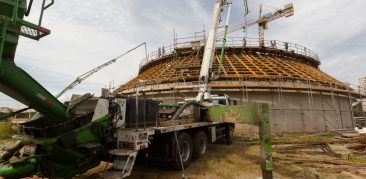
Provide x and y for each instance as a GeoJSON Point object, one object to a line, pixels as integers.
{"type": "Point", "coordinates": [88, 33]}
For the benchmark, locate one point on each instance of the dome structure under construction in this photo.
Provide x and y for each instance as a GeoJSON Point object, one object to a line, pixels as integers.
{"type": "Point", "coordinates": [302, 98]}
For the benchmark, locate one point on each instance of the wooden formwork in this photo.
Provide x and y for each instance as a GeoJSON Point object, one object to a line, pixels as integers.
{"type": "Point", "coordinates": [245, 64]}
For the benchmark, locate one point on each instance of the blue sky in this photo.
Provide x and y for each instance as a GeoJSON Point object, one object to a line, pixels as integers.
{"type": "Point", "coordinates": [88, 33]}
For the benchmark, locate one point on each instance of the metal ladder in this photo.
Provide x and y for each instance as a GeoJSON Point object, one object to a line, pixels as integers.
{"type": "Point", "coordinates": [122, 164]}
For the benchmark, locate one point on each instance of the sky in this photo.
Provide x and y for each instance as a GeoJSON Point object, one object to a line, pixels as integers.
{"type": "Point", "coordinates": [87, 33]}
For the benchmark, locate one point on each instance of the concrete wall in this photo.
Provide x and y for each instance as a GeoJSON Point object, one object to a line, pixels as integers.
{"type": "Point", "coordinates": [290, 112]}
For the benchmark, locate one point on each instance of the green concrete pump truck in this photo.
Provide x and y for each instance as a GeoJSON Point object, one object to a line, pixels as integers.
{"type": "Point", "coordinates": [69, 138]}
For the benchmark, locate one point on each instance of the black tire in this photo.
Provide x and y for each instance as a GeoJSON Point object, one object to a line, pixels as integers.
{"type": "Point", "coordinates": [186, 149]}
{"type": "Point", "coordinates": [229, 132]}
{"type": "Point", "coordinates": [199, 144]}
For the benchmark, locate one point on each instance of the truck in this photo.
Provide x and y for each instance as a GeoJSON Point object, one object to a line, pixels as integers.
{"type": "Point", "coordinates": [69, 138]}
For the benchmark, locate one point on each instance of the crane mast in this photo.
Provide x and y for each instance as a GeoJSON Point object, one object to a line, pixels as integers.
{"type": "Point", "coordinates": [209, 52]}
{"type": "Point", "coordinates": [287, 11]}
{"type": "Point", "coordinates": [262, 21]}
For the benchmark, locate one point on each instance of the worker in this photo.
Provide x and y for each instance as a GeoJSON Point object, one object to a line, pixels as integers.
{"type": "Point", "coordinates": [286, 46]}
{"type": "Point", "coordinates": [273, 43]}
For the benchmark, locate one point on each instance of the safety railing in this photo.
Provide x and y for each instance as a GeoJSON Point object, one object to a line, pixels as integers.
{"type": "Point", "coordinates": [272, 44]}
{"type": "Point", "coordinates": [199, 41]}
{"type": "Point", "coordinates": [187, 42]}
{"type": "Point", "coordinates": [361, 90]}
{"type": "Point", "coordinates": [259, 82]}
{"type": "Point", "coordinates": [29, 29]}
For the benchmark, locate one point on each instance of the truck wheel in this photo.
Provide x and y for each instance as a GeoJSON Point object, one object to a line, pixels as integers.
{"type": "Point", "coordinates": [199, 144]}
{"type": "Point", "coordinates": [229, 135]}
{"type": "Point", "coordinates": [185, 147]}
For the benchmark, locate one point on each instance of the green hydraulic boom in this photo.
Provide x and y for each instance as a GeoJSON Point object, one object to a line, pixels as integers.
{"type": "Point", "coordinates": [14, 81]}
{"type": "Point", "coordinates": [71, 138]}
{"type": "Point", "coordinates": [52, 142]}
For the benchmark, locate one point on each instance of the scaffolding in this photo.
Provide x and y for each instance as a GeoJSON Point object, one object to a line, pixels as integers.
{"type": "Point", "coordinates": [285, 75]}
{"type": "Point", "coordinates": [181, 62]}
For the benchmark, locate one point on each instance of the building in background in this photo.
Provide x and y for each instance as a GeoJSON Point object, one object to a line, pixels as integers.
{"type": "Point", "coordinates": [4, 110]}
{"type": "Point", "coordinates": [302, 98]}
{"type": "Point", "coordinates": [362, 86]}
{"type": "Point", "coordinates": [18, 118]}
{"type": "Point", "coordinates": [24, 116]}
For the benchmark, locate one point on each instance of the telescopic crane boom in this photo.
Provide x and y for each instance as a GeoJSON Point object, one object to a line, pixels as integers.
{"type": "Point", "coordinates": [77, 81]}
{"type": "Point", "coordinates": [80, 79]}
{"type": "Point", "coordinates": [205, 72]}
{"type": "Point", "coordinates": [91, 72]}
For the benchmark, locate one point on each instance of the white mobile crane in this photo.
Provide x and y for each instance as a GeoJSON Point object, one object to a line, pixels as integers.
{"type": "Point", "coordinates": [209, 53]}
{"type": "Point", "coordinates": [204, 93]}
{"type": "Point", "coordinates": [74, 137]}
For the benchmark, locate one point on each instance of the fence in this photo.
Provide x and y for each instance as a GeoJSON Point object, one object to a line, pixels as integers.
{"type": "Point", "coordinates": [199, 41]}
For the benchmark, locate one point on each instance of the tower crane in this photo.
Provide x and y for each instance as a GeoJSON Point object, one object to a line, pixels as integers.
{"type": "Point", "coordinates": [262, 22]}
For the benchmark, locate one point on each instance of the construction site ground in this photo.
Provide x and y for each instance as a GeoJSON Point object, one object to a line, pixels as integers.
{"type": "Point", "coordinates": [329, 155]}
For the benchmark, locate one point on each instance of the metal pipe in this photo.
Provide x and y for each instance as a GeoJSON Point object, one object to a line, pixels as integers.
{"type": "Point", "coordinates": [137, 110]}
{"type": "Point", "coordinates": [224, 40]}
{"type": "Point", "coordinates": [49, 5]}
{"type": "Point", "coordinates": [145, 49]}
{"type": "Point", "coordinates": [41, 15]}
{"type": "Point", "coordinates": [9, 153]}
{"type": "Point", "coordinates": [29, 8]}
{"type": "Point", "coordinates": [182, 108]}
{"type": "Point", "coordinates": [145, 108]}
{"type": "Point", "coordinates": [44, 7]}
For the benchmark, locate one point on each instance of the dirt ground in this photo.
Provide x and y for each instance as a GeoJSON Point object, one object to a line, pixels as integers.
{"type": "Point", "coordinates": [315, 156]}
{"type": "Point", "coordinates": [311, 158]}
